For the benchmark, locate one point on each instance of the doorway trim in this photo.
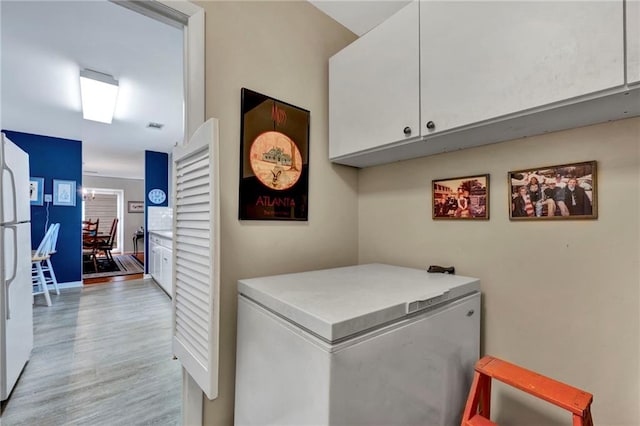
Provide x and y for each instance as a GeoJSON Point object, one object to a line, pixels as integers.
{"type": "Point", "coordinates": [191, 18]}
{"type": "Point", "coordinates": [119, 193]}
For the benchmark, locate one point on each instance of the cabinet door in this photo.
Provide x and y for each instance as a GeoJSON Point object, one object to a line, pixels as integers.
{"type": "Point", "coordinates": [374, 86]}
{"type": "Point", "coordinates": [167, 271]}
{"type": "Point", "coordinates": [152, 260]}
{"type": "Point", "coordinates": [156, 261]}
{"type": "Point", "coordinates": [483, 60]}
{"type": "Point", "coordinates": [633, 41]}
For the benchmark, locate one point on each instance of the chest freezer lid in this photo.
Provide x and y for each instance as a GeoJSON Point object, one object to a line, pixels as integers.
{"type": "Point", "coordinates": [337, 303]}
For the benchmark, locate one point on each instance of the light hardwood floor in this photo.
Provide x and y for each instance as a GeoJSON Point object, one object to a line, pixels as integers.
{"type": "Point", "coordinates": [102, 356]}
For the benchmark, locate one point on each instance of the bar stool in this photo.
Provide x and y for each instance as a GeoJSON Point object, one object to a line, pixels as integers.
{"type": "Point", "coordinates": [47, 267]}
{"type": "Point", "coordinates": [40, 255]}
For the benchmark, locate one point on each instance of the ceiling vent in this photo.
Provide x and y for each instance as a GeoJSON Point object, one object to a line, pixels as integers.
{"type": "Point", "coordinates": [153, 125]}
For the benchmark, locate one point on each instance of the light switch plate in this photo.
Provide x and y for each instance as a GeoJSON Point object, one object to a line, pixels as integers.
{"type": "Point", "coordinates": [48, 198]}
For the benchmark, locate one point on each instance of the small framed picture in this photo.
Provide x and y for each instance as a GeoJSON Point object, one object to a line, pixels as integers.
{"type": "Point", "coordinates": [64, 192]}
{"type": "Point", "coordinates": [135, 206]}
{"type": "Point", "coordinates": [567, 191]}
{"type": "Point", "coordinates": [36, 190]}
{"type": "Point", "coordinates": [461, 198]}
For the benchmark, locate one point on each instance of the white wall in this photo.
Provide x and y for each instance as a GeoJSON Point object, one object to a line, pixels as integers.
{"type": "Point", "coordinates": [559, 297]}
{"type": "Point", "coordinates": [280, 49]}
{"type": "Point", "coordinates": [133, 191]}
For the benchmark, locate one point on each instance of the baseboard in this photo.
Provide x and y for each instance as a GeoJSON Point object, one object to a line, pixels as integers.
{"type": "Point", "coordinates": [70, 284]}
{"type": "Point", "coordinates": [146, 276]}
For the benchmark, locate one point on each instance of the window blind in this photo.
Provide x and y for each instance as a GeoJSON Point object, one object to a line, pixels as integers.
{"type": "Point", "coordinates": [105, 208]}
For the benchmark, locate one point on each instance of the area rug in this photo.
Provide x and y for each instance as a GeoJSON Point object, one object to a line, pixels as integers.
{"type": "Point", "coordinates": [122, 265]}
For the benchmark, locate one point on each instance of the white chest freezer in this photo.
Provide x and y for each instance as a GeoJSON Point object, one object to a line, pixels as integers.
{"type": "Point", "coordinates": [362, 345]}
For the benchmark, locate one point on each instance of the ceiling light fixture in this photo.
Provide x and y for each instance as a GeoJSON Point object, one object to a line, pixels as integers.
{"type": "Point", "coordinates": [99, 93]}
{"type": "Point", "coordinates": [86, 196]}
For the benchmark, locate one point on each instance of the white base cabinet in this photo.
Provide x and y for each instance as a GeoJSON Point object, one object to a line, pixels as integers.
{"type": "Point", "coordinates": [472, 73]}
{"type": "Point", "coordinates": [160, 261]}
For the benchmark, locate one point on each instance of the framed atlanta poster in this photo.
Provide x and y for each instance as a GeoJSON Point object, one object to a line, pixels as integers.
{"type": "Point", "coordinates": [274, 159]}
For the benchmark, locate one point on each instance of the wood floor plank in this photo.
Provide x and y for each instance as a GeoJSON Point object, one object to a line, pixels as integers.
{"type": "Point", "coordinates": [102, 356]}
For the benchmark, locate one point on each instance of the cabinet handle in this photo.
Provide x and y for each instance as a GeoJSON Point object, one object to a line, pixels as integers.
{"type": "Point", "coordinates": [407, 131]}
{"type": "Point", "coordinates": [431, 125]}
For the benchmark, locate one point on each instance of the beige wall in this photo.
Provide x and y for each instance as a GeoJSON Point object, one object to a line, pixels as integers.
{"type": "Point", "coordinates": [280, 49]}
{"type": "Point", "coordinates": [133, 191]}
{"type": "Point", "coordinates": [559, 297]}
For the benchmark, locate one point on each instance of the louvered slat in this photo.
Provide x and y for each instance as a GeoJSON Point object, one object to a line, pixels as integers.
{"type": "Point", "coordinates": [196, 257]}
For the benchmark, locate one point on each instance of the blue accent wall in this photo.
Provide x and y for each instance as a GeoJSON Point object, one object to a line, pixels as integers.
{"type": "Point", "coordinates": [55, 158]}
{"type": "Point", "coordinates": [156, 176]}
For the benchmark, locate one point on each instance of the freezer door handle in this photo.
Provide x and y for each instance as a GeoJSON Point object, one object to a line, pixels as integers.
{"type": "Point", "coordinates": [418, 305]}
{"type": "Point", "coordinates": [13, 192]}
{"type": "Point", "coordinates": [15, 268]}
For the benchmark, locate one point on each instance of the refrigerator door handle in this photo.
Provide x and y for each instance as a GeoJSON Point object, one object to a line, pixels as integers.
{"type": "Point", "coordinates": [13, 185]}
{"type": "Point", "coordinates": [15, 269]}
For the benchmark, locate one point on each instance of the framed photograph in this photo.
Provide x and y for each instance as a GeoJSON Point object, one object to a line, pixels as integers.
{"type": "Point", "coordinates": [568, 191]}
{"type": "Point", "coordinates": [36, 190]}
{"type": "Point", "coordinates": [64, 192]}
{"type": "Point", "coordinates": [135, 206]}
{"type": "Point", "coordinates": [461, 198]}
{"type": "Point", "coordinates": [274, 159]}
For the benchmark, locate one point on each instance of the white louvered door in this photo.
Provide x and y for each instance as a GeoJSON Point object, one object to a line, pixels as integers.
{"type": "Point", "coordinates": [196, 257]}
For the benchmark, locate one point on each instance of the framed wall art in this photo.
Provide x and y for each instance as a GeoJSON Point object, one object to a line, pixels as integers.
{"type": "Point", "coordinates": [36, 190]}
{"type": "Point", "coordinates": [135, 206]}
{"type": "Point", "coordinates": [461, 198]}
{"type": "Point", "coordinates": [274, 159]}
{"type": "Point", "coordinates": [568, 191]}
{"type": "Point", "coordinates": [64, 192]}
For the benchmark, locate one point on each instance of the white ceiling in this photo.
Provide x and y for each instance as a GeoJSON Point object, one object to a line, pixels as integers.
{"type": "Point", "coordinates": [45, 44]}
{"type": "Point", "coordinates": [359, 16]}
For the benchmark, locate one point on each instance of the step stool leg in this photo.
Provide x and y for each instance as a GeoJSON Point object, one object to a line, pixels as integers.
{"type": "Point", "coordinates": [485, 396]}
{"type": "Point", "coordinates": [479, 400]}
{"type": "Point", "coordinates": [584, 420]}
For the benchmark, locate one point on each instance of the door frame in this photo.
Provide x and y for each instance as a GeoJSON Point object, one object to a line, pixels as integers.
{"type": "Point", "coordinates": [190, 17]}
{"type": "Point", "coordinates": [119, 193]}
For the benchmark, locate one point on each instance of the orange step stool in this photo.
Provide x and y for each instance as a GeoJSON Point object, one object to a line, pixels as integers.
{"type": "Point", "coordinates": [478, 408]}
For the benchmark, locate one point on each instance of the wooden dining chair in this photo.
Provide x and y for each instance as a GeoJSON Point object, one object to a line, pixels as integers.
{"type": "Point", "coordinates": [91, 241]}
{"type": "Point", "coordinates": [106, 246]}
{"type": "Point", "coordinates": [90, 228]}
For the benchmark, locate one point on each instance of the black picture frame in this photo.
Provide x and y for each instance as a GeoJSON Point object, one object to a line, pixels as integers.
{"type": "Point", "coordinates": [274, 159]}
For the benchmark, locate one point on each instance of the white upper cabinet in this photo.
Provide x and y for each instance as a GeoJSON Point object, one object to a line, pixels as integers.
{"type": "Point", "coordinates": [484, 60]}
{"type": "Point", "coordinates": [461, 74]}
{"type": "Point", "coordinates": [633, 41]}
{"type": "Point", "coordinates": [374, 96]}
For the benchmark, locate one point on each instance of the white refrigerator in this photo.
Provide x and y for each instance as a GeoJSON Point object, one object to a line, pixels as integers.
{"type": "Point", "coordinates": [16, 312]}
{"type": "Point", "coordinates": [363, 345]}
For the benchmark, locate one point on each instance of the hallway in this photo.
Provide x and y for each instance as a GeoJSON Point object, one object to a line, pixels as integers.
{"type": "Point", "coordinates": [102, 356]}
